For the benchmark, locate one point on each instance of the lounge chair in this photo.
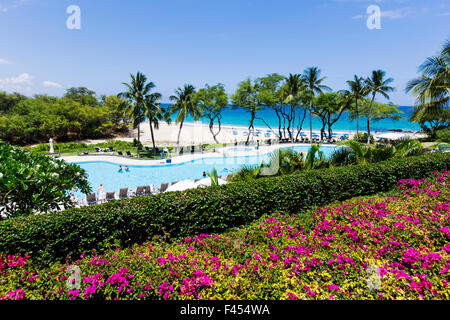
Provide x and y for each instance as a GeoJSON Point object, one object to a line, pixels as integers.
{"type": "Point", "coordinates": [123, 193]}
{"type": "Point", "coordinates": [111, 149]}
{"type": "Point", "coordinates": [147, 190]}
{"type": "Point", "coordinates": [197, 180]}
{"type": "Point", "coordinates": [97, 149]}
{"type": "Point", "coordinates": [91, 199]}
{"type": "Point", "coordinates": [140, 191]}
{"type": "Point", "coordinates": [129, 154]}
{"type": "Point", "coordinates": [120, 153]}
{"type": "Point", "coordinates": [173, 183]}
{"type": "Point", "coordinates": [110, 196]}
{"type": "Point", "coordinates": [163, 187]}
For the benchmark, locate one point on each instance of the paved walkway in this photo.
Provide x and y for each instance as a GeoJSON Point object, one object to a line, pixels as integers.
{"type": "Point", "coordinates": [220, 152]}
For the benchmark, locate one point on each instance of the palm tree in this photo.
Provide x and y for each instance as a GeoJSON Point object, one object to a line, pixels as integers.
{"type": "Point", "coordinates": [135, 97]}
{"type": "Point", "coordinates": [314, 86]}
{"type": "Point", "coordinates": [432, 88]}
{"type": "Point", "coordinates": [185, 104]}
{"type": "Point", "coordinates": [286, 160]}
{"type": "Point", "coordinates": [315, 158]}
{"type": "Point", "coordinates": [295, 84]}
{"type": "Point", "coordinates": [377, 84]}
{"type": "Point", "coordinates": [357, 91]}
{"type": "Point", "coordinates": [155, 113]}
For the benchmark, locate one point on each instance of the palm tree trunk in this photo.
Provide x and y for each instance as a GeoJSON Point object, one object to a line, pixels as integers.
{"type": "Point", "coordinates": [179, 132]}
{"type": "Point", "coordinates": [310, 121]}
{"type": "Point", "coordinates": [357, 118]}
{"type": "Point", "coordinates": [139, 139]}
{"type": "Point", "coordinates": [368, 119]}
{"type": "Point", "coordinates": [151, 130]}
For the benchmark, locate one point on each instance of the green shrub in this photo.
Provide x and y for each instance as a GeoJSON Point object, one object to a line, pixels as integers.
{"type": "Point", "coordinates": [208, 210]}
{"type": "Point", "coordinates": [444, 135]}
{"type": "Point", "coordinates": [31, 183]}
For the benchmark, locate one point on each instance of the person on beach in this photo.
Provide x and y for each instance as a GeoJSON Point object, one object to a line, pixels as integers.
{"type": "Point", "coordinates": [101, 194]}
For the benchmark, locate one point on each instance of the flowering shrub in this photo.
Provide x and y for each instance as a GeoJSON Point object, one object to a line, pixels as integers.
{"type": "Point", "coordinates": [394, 247]}
{"type": "Point", "coordinates": [31, 183]}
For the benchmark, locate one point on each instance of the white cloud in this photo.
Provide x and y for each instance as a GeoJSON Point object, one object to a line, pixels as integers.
{"type": "Point", "coordinates": [19, 83]}
{"type": "Point", "coordinates": [51, 84]}
{"type": "Point", "coordinates": [391, 14]}
{"type": "Point", "coordinates": [10, 4]}
{"type": "Point", "coordinates": [4, 61]}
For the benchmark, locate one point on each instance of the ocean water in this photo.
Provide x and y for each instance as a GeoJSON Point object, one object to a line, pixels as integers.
{"type": "Point", "coordinates": [239, 117]}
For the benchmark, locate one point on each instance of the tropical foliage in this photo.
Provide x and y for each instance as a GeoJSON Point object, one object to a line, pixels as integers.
{"type": "Point", "coordinates": [185, 104]}
{"type": "Point", "coordinates": [377, 248]}
{"type": "Point", "coordinates": [75, 116]}
{"type": "Point", "coordinates": [32, 183]}
{"type": "Point", "coordinates": [432, 92]}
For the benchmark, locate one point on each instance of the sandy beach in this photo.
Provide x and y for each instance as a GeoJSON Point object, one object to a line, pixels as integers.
{"type": "Point", "coordinates": [195, 133]}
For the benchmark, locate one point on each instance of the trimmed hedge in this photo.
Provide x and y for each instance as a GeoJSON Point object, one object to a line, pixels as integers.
{"type": "Point", "coordinates": [210, 210]}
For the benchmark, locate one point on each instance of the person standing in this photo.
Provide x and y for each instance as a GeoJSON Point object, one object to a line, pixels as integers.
{"type": "Point", "coordinates": [101, 194]}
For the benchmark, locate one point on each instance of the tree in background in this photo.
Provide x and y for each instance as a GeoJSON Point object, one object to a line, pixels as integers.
{"type": "Point", "coordinates": [269, 95]}
{"type": "Point", "coordinates": [376, 84]}
{"type": "Point", "coordinates": [329, 107]}
{"type": "Point", "coordinates": [185, 105]}
{"type": "Point", "coordinates": [134, 105]}
{"type": "Point", "coordinates": [246, 96]}
{"type": "Point", "coordinates": [8, 101]}
{"type": "Point", "coordinates": [293, 87]}
{"type": "Point", "coordinates": [155, 113]}
{"type": "Point", "coordinates": [213, 101]}
{"type": "Point", "coordinates": [314, 86]}
{"type": "Point", "coordinates": [432, 91]}
{"type": "Point", "coordinates": [82, 95]}
{"type": "Point", "coordinates": [357, 91]}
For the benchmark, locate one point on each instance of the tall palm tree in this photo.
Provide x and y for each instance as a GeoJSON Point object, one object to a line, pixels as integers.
{"type": "Point", "coordinates": [314, 86]}
{"type": "Point", "coordinates": [135, 97]}
{"type": "Point", "coordinates": [358, 91]}
{"type": "Point", "coordinates": [155, 113]}
{"type": "Point", "coordinates": [432, 88]}
{"type": "Point", "coordinates": [377, 84]}
{"type": "Point", "coordinates": [295, 84]}
{"type": "Point", "coordinates": [185, 104]}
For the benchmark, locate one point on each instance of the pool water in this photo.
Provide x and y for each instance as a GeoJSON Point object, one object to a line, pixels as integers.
{"type": "Point", "coordinates": [108, 174]}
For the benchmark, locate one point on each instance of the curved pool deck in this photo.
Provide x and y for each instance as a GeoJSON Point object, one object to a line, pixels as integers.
{"type": "Point", "coordinates": [220, 152]}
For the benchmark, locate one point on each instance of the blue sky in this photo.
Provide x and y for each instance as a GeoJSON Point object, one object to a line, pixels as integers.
{"type": "Point", "coordinates": [175, 42]}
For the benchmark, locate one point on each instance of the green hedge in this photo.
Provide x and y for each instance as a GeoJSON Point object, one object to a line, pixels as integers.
{"type": "Point", "coordinates": [71, 232]}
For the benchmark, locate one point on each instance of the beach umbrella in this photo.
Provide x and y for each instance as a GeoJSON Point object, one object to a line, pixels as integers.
{"type": "Point", "coordinates": [206, 182]}
{"type": "Point", "coordinates": [182, 185]}
{"type": "Point", "coordinates": [303, 134]}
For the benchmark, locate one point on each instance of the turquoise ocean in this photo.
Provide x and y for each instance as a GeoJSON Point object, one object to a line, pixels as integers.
{"type": "Point", "coordinates": [239, 117]}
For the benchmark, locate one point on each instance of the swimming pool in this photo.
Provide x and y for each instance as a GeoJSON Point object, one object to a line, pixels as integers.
{"type": "Point", "coordinates": [107, 173]}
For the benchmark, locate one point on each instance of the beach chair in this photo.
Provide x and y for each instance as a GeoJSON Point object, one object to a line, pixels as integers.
{"type": "Point", "coordinates": [110, 196]}
{"type": "Point", "coordinates": [173, 183]}
{"type": "Point", "coordinates": [91, 199]}
{"type": "Point", "coordinates": [140, 191]}
{"type": "Point", "coordinates": [97, 149]}
{"type": "Point", "coordinates": [147, 191]}
{"type": "Point", "coordinates": [123, 193]}
{"type": "Point", "coordinates": [120, 153]}
{"type": "Point", "coordinates": [129, 154]}
{"type": "Point", "coordinates": [111, 149]}
{"type": "Point", "coordinates": [163, 187]}
{"type": "Point", "coordinates": [197, 180]}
